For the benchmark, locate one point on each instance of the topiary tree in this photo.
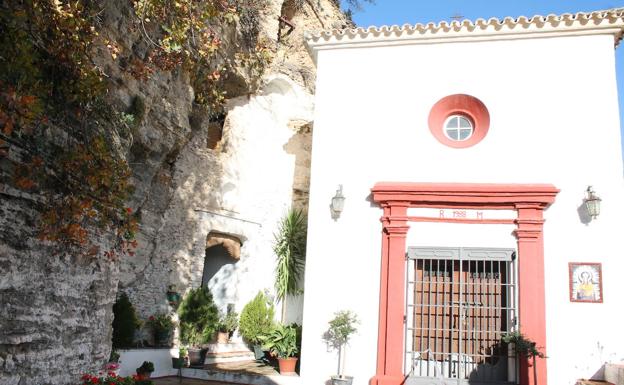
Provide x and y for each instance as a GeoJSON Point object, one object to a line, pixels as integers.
{"type": "Point", "coordinates": [199, 317]}
{"type": "Point", "coordinates": [125, 322]}
{"type": "Point", "coordinates": [256, 319]}
{"type": "Point", "coordinates": [341, 328]}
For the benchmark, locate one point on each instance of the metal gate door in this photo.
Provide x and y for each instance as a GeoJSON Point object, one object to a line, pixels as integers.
{"type": "Point", "coordinates": [459, 303]}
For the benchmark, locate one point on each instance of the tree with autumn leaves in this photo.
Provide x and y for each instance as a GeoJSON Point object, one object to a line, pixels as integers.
{"type": "Point", "coordinates": [59, 135]}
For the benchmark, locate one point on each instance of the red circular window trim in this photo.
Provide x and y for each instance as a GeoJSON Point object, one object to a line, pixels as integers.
{"type": "Point", "coordinates": [459, 104]}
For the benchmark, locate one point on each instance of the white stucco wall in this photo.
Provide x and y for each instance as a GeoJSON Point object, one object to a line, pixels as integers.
{"type": "Point", "coordinates": [554, 119]}
{"type": "Point", "coordinates": [257, 185]}
{"type": "Point", "coordinates": [243, 188]}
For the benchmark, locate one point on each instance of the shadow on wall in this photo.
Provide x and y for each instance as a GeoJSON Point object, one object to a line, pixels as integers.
{"type": "Point", "coordinates": [300, 145]}
{"type": "Point", "coordinates": [584, 216]}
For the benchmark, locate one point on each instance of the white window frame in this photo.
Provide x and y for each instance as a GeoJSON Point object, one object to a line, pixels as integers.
{"type": "Point", "coordinates": [458, 128]}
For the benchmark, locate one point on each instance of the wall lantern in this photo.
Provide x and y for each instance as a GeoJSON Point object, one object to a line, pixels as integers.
{"type": "Point", "coordinates": [592, 203]}
{"type": "Point", "coordinates": [337, 203]}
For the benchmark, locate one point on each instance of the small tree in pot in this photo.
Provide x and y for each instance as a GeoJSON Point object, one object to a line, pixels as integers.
{"type": "Point", "coordinates": [256, 320]}
{"type": "Point", "coordinates": [198, 322]}
{"type": "Point", "coordinates": [341, 328]}
{"type": "Point", "coordinates": [226, 327]}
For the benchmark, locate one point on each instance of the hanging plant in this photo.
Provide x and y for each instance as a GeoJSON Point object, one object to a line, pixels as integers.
{"type": "Point", "coordinates": [523, 346]}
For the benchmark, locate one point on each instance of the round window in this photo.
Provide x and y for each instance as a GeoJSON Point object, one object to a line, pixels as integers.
{"type": "Point", "coordinates": [458, 127]}
{"type": "Point", "coordinates": [459, 120]}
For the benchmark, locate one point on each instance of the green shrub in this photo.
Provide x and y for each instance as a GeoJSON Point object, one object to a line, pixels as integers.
{"type": "Point", "coordinates": [199, 317]}
{"type": "Point", "coordinates": [125, 322]}
{"type": "Point", "coordinates": [523, 346]}
{"type": "Point", "coordinates": [256, 319]}
{"type": "Point", "coordinates": [281, 341]}
{"type": "Point", "coordinates": [146, 367]}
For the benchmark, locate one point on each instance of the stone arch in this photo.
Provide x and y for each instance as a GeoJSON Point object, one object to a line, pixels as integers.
{"type": "Point", "coordinates": [230, 243]}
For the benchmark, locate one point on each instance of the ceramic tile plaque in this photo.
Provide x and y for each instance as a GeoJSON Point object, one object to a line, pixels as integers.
{"type": "Point", "coordinates": [585, 282]}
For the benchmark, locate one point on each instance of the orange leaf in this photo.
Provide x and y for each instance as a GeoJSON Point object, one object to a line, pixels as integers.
{"type": "Point", "coordinates": [8, 127]}
{"type": "Point", "coordinates": [27, 99]}
{"type": "Point", "coordinates": [24, 183]}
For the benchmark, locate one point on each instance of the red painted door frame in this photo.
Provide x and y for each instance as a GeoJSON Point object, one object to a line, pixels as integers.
{"type": "Point", "coordinates": [529, 201]}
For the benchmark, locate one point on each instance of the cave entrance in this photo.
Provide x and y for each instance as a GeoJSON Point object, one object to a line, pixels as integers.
{"type": "Point", "coordinates": [222, 254]}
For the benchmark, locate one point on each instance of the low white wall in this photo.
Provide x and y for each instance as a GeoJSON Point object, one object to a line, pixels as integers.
{"type": "Point", "coordinates": [131, 359]}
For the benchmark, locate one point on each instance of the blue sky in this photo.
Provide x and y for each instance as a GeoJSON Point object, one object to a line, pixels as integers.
{"type": "Point", "coordinates": [399, 12]}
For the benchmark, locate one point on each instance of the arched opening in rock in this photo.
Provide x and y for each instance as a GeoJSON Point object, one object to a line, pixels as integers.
{"type": "Point", "coordinates": [222, 253]}
{"type": "Point", "coordinates": [215, 131]}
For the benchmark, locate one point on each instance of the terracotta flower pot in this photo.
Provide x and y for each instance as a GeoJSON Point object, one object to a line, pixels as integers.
{"type": "Point", "coordinates": [287, 365]}
{"type": "Point", "coordinates": [223, 337]}
{"type": "Point", "coordinates": [196, 357]}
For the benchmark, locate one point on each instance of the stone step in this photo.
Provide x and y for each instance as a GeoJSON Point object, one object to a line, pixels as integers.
{"type": "Point", "coordinates": [237, 377]}
{"type": "Point", "coordinates": [217, 358]}
{"type": "Point", "coordinates": [231, 352]}
{"type": "Point", "coordinates": [223, 348]}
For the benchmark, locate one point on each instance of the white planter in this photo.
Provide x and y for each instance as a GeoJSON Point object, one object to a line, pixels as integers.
{"type": "Point", "coordinates": [130, 359]}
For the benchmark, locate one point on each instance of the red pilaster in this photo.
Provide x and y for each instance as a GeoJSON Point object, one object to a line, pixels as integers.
{"type": "Point", "coordinates": [531, 295]}
{"type": "Point", "coordinates": [383, 293]}
{"type": "Point", "coordinates": [392, 296]}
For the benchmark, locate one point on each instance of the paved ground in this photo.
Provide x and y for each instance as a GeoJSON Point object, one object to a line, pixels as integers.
{"type": "Point", "coordinates": [185, 381]}
{"type": "Point", "coordinates": [246, 367]}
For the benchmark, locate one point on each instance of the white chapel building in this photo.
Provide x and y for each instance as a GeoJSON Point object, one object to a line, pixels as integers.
{"type": "Point", "coordinates": [472, 157]}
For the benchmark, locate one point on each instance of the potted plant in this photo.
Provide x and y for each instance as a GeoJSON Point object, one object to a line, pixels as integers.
{"type": "Point", "coordinates": [226, 327]}
{"type": "Point", "coordinates": [173, 297]}
{"type": "Point", "coordinates": [289, 247]}
{"type": "Point", "coordinates": [198, 320]}
{"type": "Point", "coordinates": [162, 326]}
{"type": "Point", "coordinates": [341, 328]}
{"type": "Point", "coordinates": [282, 343]}
{"type": "Point", "coordinates": [145, 370]}
{"type": "Point", "coordinates": [524, 348]}
{"type": "Point", "coordinates": [181, 360]}
{"type": "Point", "coordinates": [256, 320]}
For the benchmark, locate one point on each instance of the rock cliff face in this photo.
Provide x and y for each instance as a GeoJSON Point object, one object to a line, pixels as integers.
{"type": "Point", "coordinates": [192, 176]}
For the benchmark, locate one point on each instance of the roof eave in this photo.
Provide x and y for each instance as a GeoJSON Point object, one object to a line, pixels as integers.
{"type": "Point", "coordinates": [595, 23]}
